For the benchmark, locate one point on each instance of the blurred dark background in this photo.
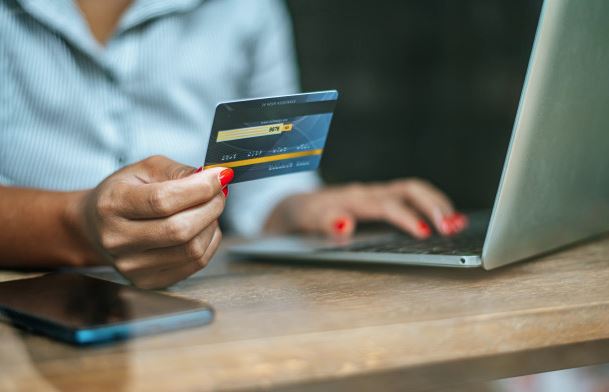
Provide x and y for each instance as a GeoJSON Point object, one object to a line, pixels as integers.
{"type": "Point", "coordinates": [429, 88]}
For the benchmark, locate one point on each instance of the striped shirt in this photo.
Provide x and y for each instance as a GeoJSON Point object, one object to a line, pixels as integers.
{"type": "Point", "coordinates": [73, 111]}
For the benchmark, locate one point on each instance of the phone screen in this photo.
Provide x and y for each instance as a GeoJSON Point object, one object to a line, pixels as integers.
{"type": "Point", "coordinates": [72, 302]}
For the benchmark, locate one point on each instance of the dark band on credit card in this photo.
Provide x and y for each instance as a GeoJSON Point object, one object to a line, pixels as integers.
{"type": "Point", "coordinates": [266, 137]}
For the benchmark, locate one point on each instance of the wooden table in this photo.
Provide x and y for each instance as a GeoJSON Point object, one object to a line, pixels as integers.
{"type": "Point", "coordinates": [350, 327]}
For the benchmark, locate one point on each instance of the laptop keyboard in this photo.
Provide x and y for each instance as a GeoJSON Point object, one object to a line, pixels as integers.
{"type": "Point", "coordinates": [470, 242]}
{"type": "Point", "coordinates": [459, 245]}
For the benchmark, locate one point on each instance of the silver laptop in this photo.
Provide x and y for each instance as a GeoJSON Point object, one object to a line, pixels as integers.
{"type": "Point", "coordinates": [554, 189]}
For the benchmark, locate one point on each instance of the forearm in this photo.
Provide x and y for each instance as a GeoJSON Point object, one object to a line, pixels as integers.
{"type": "Point", "coordinates": [40, 229]}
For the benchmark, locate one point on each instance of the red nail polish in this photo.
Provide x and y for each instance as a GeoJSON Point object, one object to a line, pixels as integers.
{"type": "Point", "coordinates": [341, 225]}
{"type": "Point", "coordinates": [199, 170]}
{"type": "Point", "coordinates": [424, 228]}
{"type": "Point", "coordinates": [446, 227]}
{"type": "Point", "coordinates": [462, 221]}
{"type": "Point", "coordinates": [225, 191]}
{"type": "Point", "coordinates": [226, 176]}
{"type": "Point", "coordinates": [457, 222]}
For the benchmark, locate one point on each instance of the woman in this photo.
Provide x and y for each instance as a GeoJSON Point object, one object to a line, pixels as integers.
{"type": "Point", "coordinates": [105, 107]}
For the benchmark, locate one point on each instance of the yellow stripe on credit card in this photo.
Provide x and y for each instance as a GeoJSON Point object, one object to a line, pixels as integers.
{"type": "Point", "coordinates": [244, 133]}
{"type": "Point", "coordinates": [271, 158]}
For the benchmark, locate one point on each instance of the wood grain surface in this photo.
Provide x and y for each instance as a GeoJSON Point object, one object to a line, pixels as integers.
{"type": "Point", "coordinates": [298, 326]}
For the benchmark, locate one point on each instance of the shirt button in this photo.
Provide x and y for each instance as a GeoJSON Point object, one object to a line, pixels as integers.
{"type": "Point", "coordinates": [122, 159]}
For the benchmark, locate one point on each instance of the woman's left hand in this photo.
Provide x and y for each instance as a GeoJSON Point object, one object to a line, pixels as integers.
{"type": "Point", "coordinates": [408, 204]}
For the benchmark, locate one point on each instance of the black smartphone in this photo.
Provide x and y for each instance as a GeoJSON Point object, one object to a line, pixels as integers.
{"type": "Point", "coordinates": [83, 310]}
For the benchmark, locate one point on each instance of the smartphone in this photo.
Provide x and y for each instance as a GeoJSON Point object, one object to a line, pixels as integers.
{"type": "Point", "coordinates": [82, 310]}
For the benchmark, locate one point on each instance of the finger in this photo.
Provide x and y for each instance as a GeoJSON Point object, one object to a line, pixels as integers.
{"type": "Point", "coordinates": [166, 277]}
{"type": "Point", "coordinates": [368, 203]}
{"type": "Point", "coordinates": [335, 213]}
{"type": "Point", "coordinates": [130, 236]}
{"type": "Point", "coordinates": [313, 213]}
{"type": "Point", "coordinates": [163, 199]}
{"type": "Point", "coordinates": [324, 217]}
{"type": "Point", "coordinates": [405, 218]}
{"type": "Point", "coordinates": [430, 201]}
{"type": "Point", "coordinates": [456, 223]}
{"type": "Point", "coordinates": [159, 168]}
{"type": "Point", "coordinates": [343, 226]}
{"type": "Point", "coordinates": [376, 203]}
{"type": "Point", "coordinates": [338, 224]}
{"type": "Point", "coordinates": [139, 264]}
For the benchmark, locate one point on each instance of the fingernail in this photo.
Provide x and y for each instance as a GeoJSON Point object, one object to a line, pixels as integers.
{"type": "Point", "coordinates": [447, 227]}
{"type": "Point", "coordinates": [341, 225]}
{"type": "Point", "coordinates": [225, 191]}
{"type": "Point", "coordinates": [455, 223]}
{"type": "Point", "coordinates": [424, 228]}
{"type": "Point", "coordinates": [199, 170]}
{"type": "Point", "coordinates": [460, 221]}
{"type": "Point", "coordinates": [226, 176]}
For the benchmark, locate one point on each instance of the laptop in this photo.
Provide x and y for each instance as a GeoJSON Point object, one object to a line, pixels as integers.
{"type": "Point", "coordinates": [554, 188]}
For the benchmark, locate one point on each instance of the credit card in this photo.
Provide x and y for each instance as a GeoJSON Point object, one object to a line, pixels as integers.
{"type": "Point", "coordinates": [264, 137]}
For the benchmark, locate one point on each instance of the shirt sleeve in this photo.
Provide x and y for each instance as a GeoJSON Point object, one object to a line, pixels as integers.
{"type": "Point", "coordinates": [273, 72]}
{"type": "Point", "coordinates": [4, 180]}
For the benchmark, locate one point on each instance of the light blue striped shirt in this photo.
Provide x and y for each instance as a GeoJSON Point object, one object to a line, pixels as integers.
{"type": "Point", "coordinates": [73, 111]}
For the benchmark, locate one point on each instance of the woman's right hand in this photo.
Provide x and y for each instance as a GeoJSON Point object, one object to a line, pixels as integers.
{"type": "Point", "coordinates": [156, 221]}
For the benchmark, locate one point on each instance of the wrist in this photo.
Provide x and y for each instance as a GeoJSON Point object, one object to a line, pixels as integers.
{"type": "Point", "coordinates": [84, 251]}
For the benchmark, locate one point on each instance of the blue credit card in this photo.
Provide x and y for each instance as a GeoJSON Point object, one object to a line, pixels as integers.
{"type": "Point", "coordinates": [266, 137]}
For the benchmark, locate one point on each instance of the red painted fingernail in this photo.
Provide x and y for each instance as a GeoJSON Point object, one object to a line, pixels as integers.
{"type": "Point", "coordinates": [452, 223]}
{"type": "Point", "coordinates": [226, 176]}
{"type": "Point", "coordinates": [341, 225]}
{"type": "Point", "coordinates": [225, 191]}
{"type": "Point", "coordinates": [424, 228]}
{"type": "Point", "coordinates": [446, 226]}
{"type": "Point", "coordinates": [459, 221]}
{"type": "Point", "coordinates": [456, 223]}
{"type": "Point", "coordinates": [199, 170]}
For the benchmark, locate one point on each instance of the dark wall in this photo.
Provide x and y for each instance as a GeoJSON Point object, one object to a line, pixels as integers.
{"type": "Point", "coordinates": [429, 88]}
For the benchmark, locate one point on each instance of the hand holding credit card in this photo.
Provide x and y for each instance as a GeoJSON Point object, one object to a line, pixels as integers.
{"type": "Point", "coordinates": [266, 137]}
